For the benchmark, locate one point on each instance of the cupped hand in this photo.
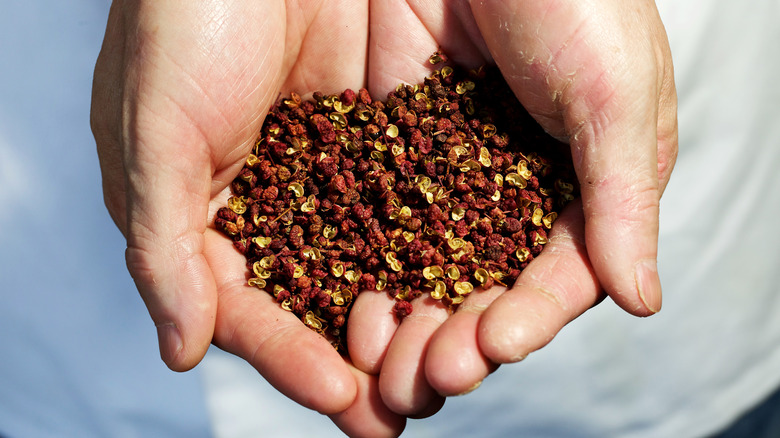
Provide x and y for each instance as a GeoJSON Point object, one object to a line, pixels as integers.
{"type": "Point", "coordinates": [180, 92]}
{"type": "Point", "coordinates": [597, 74]}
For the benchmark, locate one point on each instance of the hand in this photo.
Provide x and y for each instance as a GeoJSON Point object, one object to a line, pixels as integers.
{"type": "Point", "coordinates": [599, 75]}
{"type": "Point", "coordinates": [180, 91]}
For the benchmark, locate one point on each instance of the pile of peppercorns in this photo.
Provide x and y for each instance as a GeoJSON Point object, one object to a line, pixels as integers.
{"type": "Point", "coordinates": [444, 187]}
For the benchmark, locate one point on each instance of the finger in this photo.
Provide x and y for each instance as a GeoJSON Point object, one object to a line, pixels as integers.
{"type": "Point", "coordinates": [454, 363]}
{"type": "Point", "coordinates": [371, 328]}
{"type": "Point", "coordinates": [105, 117]}
{"type": "Point", "coordinates": [399, 54]}
{"type": "Point", "coordinates": [394, 54]}
{"type": "Point", "coordinates": [250, 324]}
{"type": "Point", "coordinates": [168, 190]}
{"type": "Point", "coordinates": [325, 49]}
{"type": "Point", "coordinates": [556, 287]}
{"type": "Point", "coordinates": [166, 219]}
{"type": "Point", "coordinates": [596, 82]}
{"type": "Point", "coordinates": [368, 416]}
{"type": "Point", "coordinates": [402, 381]}
{"type": "Point", "coordinates": [188, 114]}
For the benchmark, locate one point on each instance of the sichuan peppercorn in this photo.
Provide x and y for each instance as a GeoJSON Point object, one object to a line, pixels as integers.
{"type": "Point", "coordinates": [446, 187]}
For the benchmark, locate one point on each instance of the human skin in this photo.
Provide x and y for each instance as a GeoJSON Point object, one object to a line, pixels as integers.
{"type": "Point", "coordinates": [181, 89]}
{"type": "Point", "coordinates": [597, 74]}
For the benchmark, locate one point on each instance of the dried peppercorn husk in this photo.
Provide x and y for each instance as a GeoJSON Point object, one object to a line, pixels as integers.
{"type": "Point", "coordinates": [444, 188]}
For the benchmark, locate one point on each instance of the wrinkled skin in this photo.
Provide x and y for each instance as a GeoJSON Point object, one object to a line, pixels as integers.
{"type": "Point", "coordinates": [181, 89]}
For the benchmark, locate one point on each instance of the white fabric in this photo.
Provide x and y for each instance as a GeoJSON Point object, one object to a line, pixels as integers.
{"type": "Point", "coordinates": [714, 350]}
{"type": "Point", "coordinates": [78, 352]}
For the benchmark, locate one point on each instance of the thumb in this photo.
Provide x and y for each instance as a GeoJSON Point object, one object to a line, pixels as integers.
{"type": "Point", "coordinates": [167, 209]}
{"type": "Point", "coordinates": [589, 73]}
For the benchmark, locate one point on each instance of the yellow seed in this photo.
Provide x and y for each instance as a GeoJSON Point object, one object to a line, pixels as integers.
{"type": "Point", "coordinates": [309, 205]}
{"type": "Point", "coordinates": [312, 320]}
{"type": "Point", "coordinates": [287, 305]}
{"type": "Point", "coordinates": [540, 240]}
{"type": "Point", "coordinates": [549, 219]}
{"type": "Point", "coordinates": [432, 272]}
{"type": "Point", "coordinates": [340, 107]}
{"type": "Point", "coordinates": [329, 231]}
{"type": "Point", "coordinates": [470, 164]}
{"type": "Point", "coordinates": [435, 58]}
{"type": "Point", "coordinates": [364, 115]}
{"type": "Point", "coordinates": [394, 264]}
{"type": "Point", "coordinates": [536, 219]}
{"type": "Point", "coordinates": [352, 276]}
{"type": "Point", "coordinates": [499, 179]}
{"type": "Point", "coordinates": [408, 236]}
{"type": "Point", "coordinates": [252, 160]}
{"type": "Point", "coordinates": [341, 297]}
{"type": "Point", "coordinates": [516, 180]}
{"type": "Point", "coordinates": [446, 71]}
{"type": "Point", "coordinates": [484, 157]}
{"type": "Point", "coordinates": [481, 275]}
{"type": "Point", "coordinates": [498, 275]}
{"type": "Point", "coordinates": [262, 242]}
{"type": "Point", "coordinates": [463, 87]}
{"type": "Point", "coordinates": [256, 282]}
{"type": "Point", "coordinates": [439, 290]}
{"type": "Point", "coordinates": [522, 254]}
{"type": "Point", "coordinates": [453, 301]}
{"type": "Point", "coordinates": [456, 243]}
{"type": "Point", "coordinates": [296, 188]}
{"type": "Point", "coordinates": [453, 273]}
{"type": "Point", "coordinates": [277, 290]}
{"type": "Point", "coordinates": [423, 182]}
{"type": "Point", "coordinates": [397, 150]}
{"type": "Point", "coordinates": [377, 156]}
{"type": "Point", "coordinates": [404, 294]}
{"type": "Point", "coordinates": [455, 153]}
{"type": "Point", "coordinates": [312, 254]}
{"type": "Point", "coordinates": [463, 287]}
{"type": "Point", "coordinates": [267, 262]}
{"type": "Point", "coordinates": [237, 204]}
{"type": "Point", "coordinates": [458, 213]}
{"type": "Point", "coordinates": [337, 269]}
{"type": "Point", "coordinates": [298, 272]}
{"type": "Point", "coordinates": [496, 196]}
{"type": "Point", "coordinates": [257, 268]}
{"type": "Point", "coordinates": [381, 281]}
{"type": "Point", "coordinates": [522, 169]}
{"type": "Point", "coordinates": [392, 131]}
{"type": "Point", "coordinates": [488, 130]}
{"type": "Point", "coordinates": [263, 273]}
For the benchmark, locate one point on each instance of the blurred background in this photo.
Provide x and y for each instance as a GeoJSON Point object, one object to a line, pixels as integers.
{"type": "Point", "coordinates": [78, 352]}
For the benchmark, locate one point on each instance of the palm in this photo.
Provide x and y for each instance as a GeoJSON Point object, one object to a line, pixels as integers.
{"type": "Point", "coordinates": [180, 93]}
{"type": "Point", "coordinates": [330, 52]}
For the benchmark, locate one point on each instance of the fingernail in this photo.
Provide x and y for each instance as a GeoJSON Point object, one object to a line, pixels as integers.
{"type": "Point", "coordinates": [648, 284]}
{"type": "Point", "coordinates": [471, 389]}
{"type": "Point", "coordinates": [169, 338]}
